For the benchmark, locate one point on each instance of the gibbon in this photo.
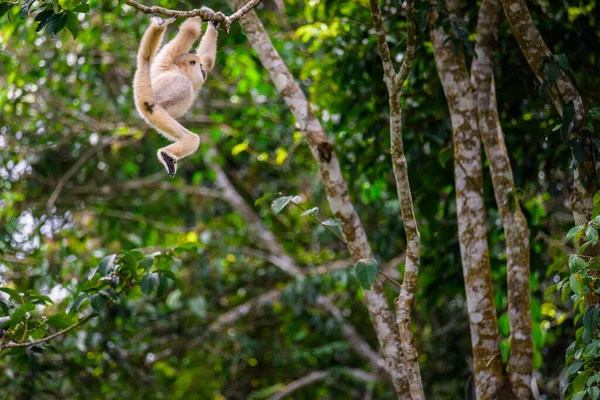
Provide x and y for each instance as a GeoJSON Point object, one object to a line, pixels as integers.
{"type": "Point", "coordinates": [166, 84]}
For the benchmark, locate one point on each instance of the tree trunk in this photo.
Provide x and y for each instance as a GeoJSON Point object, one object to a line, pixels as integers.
{"type": "Point", "coordinates": [487, 364]}
{"type": "Point", "coordinates": [563, 92]}
{"type": "Point", "coordinates": [513, 220]}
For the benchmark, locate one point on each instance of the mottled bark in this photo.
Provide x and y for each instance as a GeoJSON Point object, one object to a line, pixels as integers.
{"type": "Point", "coordinates": [335, 187]}
{"type": "Point", "coordinates": [564, 91]}
{"type": "Point", "coordinates": [487, 363]}
{"type": "Point", "coordinates": [513, 220]}
{"type": "Point", "coordinates": [405, 301]}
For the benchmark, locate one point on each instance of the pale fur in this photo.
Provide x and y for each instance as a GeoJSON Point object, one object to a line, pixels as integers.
{"type": "Point", "coordinates": [166, 84]}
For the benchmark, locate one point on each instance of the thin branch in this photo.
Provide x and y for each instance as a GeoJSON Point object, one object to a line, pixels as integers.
{"type": "Point", "coordinates": [384, 50]}
{"type": "Point", "coordinates": [49, 337]}
{"type": "Point", "coordinates": [411, 44]}
{"type": "Point", "coordinates": [204, 12]}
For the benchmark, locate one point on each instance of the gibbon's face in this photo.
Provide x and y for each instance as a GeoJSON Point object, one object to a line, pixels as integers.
{"type": "Point", "coordinates": [189, 65]}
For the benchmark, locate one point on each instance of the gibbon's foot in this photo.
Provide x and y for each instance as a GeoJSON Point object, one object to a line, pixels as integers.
{"type": "Point", "coordinates": [169, 162]}
{"type": "Point", "coordinates": [161, 21]}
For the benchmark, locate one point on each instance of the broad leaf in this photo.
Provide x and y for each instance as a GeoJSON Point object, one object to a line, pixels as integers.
{"type": "Point", "coordinates": [332, 222]}
{"type": "Point", "coordinates": [98, 302]}
{"type": "Point", "coordinates": [574, 367]}
{"type": "Point", "coordinates": [366, 272]}
{"type": "Point", "coordinates": [280, 203]}
{"type": "Point", "coordinates": [574, 231]}
{"type": "Point", "coordinates": [576, 263]}
{"type": "Point", "coordinates": [313, 211]}
{"type": "Point", "coordinates": [149, 283]}
{"type": "Point", "coordinates": [577, 285]}
{"type": "Point", "coordinates": [590, 319]}
{"type": "Point", "coordinates": [107, 264]}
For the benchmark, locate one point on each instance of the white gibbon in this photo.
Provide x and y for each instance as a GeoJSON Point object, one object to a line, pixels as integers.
{"type": "Point", "coordinates": [166, 84]}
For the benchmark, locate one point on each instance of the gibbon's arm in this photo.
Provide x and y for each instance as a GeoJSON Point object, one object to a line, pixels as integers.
{"type": "Point", "coordinates": [142, 87]}
{"type": "Point", "coordinates": [207, 51]}
{"type": "Point", "coordinates": [185, 141]}
{"type": "Point", "coordinates": [188, 33]}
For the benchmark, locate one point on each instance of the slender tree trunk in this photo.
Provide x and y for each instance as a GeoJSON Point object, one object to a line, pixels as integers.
{"type": "Point", "coordinates": [405, 301]}
{"type": "Point", "coordinates": [487, 363]}
{"type": "Point", "coordinates": [513, 220]}
{"type": "Point", "coordinates": [536, 51]}
{"type": "Point", "coordinates": [335, 188]}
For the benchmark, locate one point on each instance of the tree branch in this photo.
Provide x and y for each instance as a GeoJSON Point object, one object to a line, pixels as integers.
{"type": "Point", "coordinates": [49, 337]}
{"type": "Point", "coordinates": [204, 12]}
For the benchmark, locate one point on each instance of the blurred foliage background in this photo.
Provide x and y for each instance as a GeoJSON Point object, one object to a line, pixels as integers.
{"type": "Point", "coordinates": [67, 119]}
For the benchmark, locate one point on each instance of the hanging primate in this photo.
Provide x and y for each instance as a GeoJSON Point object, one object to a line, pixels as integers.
{"type": "Point", "coordinates": [166, 84]}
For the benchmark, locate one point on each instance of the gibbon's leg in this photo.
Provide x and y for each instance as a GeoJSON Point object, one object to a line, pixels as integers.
{"type": "Point", "coordinates": [207, 50]}
{"type": "Point", "coordinates": [185, 144]}
{"type": "Point", "coordinates": [155, 115]}
{"type": "Point", "coordinates": [188, 33]}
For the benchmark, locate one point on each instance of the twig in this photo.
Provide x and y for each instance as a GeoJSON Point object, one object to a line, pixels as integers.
{"type": "Point", "coordinates": [347, 244]}
{"type": "Point", "coordinates": [203, 12]}
{"type": "Point", "coordinates": [49, 337]}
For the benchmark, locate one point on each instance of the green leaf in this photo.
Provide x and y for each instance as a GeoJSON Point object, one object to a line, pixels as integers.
{"type": "Point", "coordinates": [550, 289]}
{"type": "Point", "coordinates": [597, 197]}
{"type": "Point", "coordinates": [266, 197]}
{"type": "Point", "coordinates": [56, 23]}
{"type": "Point", "coordinates": [14, 295]}
{"type": "Point", "coordinates": [92, 273]}
{"type": "Point", "coordinates": [280, 203]}
{"type": "Point", "coordinates": [591, 350]}
{"type": "Point", "coordinates": [43, 19]}
{"type": "Point", "coordinates": [4, 8]}
{"type": "Point", "coordinates": [163, 285]}
{"type": "Point", "coordinates": [551, 69]}
{"type": "Point", "coordinates": [332, 222]}
{"type": "Point", "coordinates": [366, 272]}
{"type": "Point", "coordinates": [593, 379]}
{"type": "Point", "coordinates": [576, 263]}
{"type": "Point", "coordinates": [562, 61]}
{"type": "Point", "coordinates": [444, 156]}
{"type": "Point", "coordinates": [98, 302]}
{"type": "Point", "coordinates": [313, 211]}
{"type": "Point", "coordinates": [579, 395]}
{"type": "Point", "coordinates": [82, 8]}
{"type": "Point", "coordinates": [149, 283]}
{"type": "Point", "coordinates": [4, 307]}
{"type": "Point", "coordinates": [61, 320]}
{"type": "Point", "coordinates": [74, 308]}
{"type": "Point", "coordinates": [574, 231]}
{"type": "Point", "coordinates": [147, 263]}
{"type": "Point", "coordinates": [24, 13]}
{"type": "Point", "coordinates": [577, 285]}
{"type": "Point", "coordinates": [574, 367]}
{"type": "Point", "coordinates": [590, 319]}
{"type": "Point", "coordinates": [591, 233]}
{"type": "Point", "coordinates": [594, 392]}
{"type": "Point", "coordinates": [107, 264]}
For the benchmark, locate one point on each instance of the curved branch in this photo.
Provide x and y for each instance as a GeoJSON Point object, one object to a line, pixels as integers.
{"type": "Point", "coordinates": [203, 12]}
{"type": "Point", "coordinates": [49, 337]}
